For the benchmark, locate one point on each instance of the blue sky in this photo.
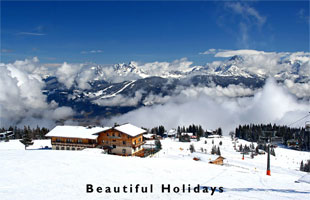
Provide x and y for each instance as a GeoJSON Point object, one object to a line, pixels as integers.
{"type": "Point", "coordinates": [113, 32]}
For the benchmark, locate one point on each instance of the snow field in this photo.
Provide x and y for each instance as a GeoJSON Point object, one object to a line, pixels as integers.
{"type": "Point", "coordinates": [51, 174]}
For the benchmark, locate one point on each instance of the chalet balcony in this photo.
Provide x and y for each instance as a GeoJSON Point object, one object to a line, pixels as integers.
{"type": "Point", "coordinates": [114, 137]}
{"type": "Point", "coordinates": [138, 144]}
{"type": "Point", "coordinates": [87, 145]}
{"type": "Point", "coordinates": [120, 144]}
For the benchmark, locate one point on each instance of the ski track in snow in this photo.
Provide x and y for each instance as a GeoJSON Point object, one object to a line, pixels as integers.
{"type": "Point", "coordinates": [119, 91]}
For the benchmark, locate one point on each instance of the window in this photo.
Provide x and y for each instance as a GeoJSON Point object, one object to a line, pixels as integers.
{"type": "Point", "coordinates": [57, 148]}
{"type": "Point", "coordinates": [124, 142]}
{"type": "Point", "coordinates": [114, 146]}
{"type": "Point", "coordinates": [80, 141]}
{"type": "Point", "coordinates": [113, 140]}
{"type": "Point", "coordinates": [134, 142]}
{"type": "Point", "coordinates": [139, 139]}
{"type": "Point", "coordinates": [124, 151]}
{"type": "Point", "coordinates": [73, 149]}
{"type": "Point", "coordinates": [58, 140]}
{"type": "Point", "coordinates": [62, 148]}
{"type": "Point", "coordinates": [119, 134]}
{"type": "Point", "coordinates": [68, 148]}
{"type": "Point", "coordinates": [107, 134]}
{"type": "Point", "coordinates": [113, 134]}
{"type": "Point", "coordinates": [69, 140]}
{"type": "Point", "coordinates": [78, 149]}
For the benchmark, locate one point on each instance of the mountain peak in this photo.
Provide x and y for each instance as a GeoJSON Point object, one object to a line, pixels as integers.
{"type": "Point", "coordinates": [236, 58]}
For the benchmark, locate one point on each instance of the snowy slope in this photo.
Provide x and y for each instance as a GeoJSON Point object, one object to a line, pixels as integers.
{"type": "Point", "coordinates": [50, 174]}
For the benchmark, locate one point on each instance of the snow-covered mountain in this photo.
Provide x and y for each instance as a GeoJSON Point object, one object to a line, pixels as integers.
{"type": "Point", "coordinates": [125, 87]}
{"type": "Point", "coordinates": [236, 66]}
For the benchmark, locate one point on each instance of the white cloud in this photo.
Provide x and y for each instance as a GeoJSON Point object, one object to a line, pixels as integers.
{"type": "Point", "coordinates": [92, 51]}
{"type": "Point", "coordinates": [6, 50]}
{"type": "Point", "coordinates": [301, 90]}
{"type": "Point", "coordinates": [247, 12]}
{"type": "Point", "coordinates": [62, 113]}
{"type": "Point", "coordinates": [210, 51]}
{"type": "Point", "coordinates": [67, 73]}
{"type": "Point", "coordinates": [303, 15]}
{"type": "Point", "coordinates": [31, 33]}
{"type": "Point", "coordinates": [241, 52]}
{"type": "Point", "coordinates": [249, 20]}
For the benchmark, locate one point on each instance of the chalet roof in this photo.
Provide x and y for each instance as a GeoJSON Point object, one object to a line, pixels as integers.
{"type": "Point", "coordinates": [149, 135]}
{"type": "Point", "coordinates": [172, 132]}
{"type": "Point", "coordinates": [187, 133]}
{"type": "Point", "coordinates": [220, 158]}
{"type": "Point", "coordinates": [130, 129]}
{"type": "Point", "coordinates": [76, 132]}
{"type": "Point", "coordinates": [6, 132]}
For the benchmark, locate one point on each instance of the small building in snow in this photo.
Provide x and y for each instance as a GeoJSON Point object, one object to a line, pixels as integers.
{"type": "Point", "coordinates": [172, 133]}
{"type": "Point", "coordinates": [149, 136]}
{"type": "Point", "coordinates": [218, 161]}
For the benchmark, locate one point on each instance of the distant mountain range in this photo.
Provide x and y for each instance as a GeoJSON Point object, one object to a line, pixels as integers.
{"type": "Point", "coordinates": [128, 86]}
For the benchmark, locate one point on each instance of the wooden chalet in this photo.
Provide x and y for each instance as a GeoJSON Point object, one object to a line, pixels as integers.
{"type": "Point", "coordinates": [218, 161]}
{"type": "Point", "coordinates": [125, 139]}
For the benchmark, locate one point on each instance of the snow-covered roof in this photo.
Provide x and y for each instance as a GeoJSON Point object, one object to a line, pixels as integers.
{"type": "Point", "coordinates": [172, 132]}
{"type": "Point", "coordinates": [189, 134]}
{"type": "Point", "coordinates": [6, 132]}
{"type": "Point", "coordinates": [149, 135]}
{"type": "Point", "coordinates": [130, 129]}
{"type": "Point", "coordinates": [76, 132]}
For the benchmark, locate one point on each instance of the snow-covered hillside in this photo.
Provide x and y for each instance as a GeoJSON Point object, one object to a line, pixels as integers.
{"type": "Point", "coordinates": [49, 174]}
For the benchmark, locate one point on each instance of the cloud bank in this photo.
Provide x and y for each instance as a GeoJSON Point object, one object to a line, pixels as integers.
{"type": "Point", "coordinates": [272, 104]}
{"type": "Point", "coordinates": [21, 99]}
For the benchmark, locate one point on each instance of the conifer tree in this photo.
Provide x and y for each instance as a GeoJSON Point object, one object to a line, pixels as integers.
{"type": "Point", "coordinates": [158, 144]}
{"type": "Point", "coordinates": [240, 148]}
{"type": "Point", "coordinates": [307, 166]}
{"type": "Point", "coordinates": [301, 168]}
{"type": "Point", "coordinates": [213, 150]}
{"type": "Point", "coordinates": [219, 131]}
{"type": "Point", "coordinates": [191, 148]}
{"type": "Point", "coordinates": [27, 141]}
{"type": "Point", "coordinates": [218, 151]}
{"type": "Point", "coordinates": [252, 155]}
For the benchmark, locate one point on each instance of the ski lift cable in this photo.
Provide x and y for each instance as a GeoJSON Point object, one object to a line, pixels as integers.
{"type": "Point", "coordinates": [300, 119]}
